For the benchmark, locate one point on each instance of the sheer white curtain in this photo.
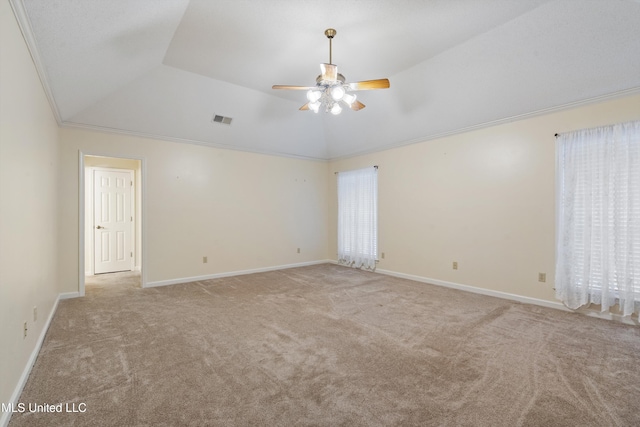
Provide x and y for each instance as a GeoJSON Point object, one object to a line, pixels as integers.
{"type": "Point", "coordinates": [358, 218]}
{"type": "Point", "coordinates": [598, 234]}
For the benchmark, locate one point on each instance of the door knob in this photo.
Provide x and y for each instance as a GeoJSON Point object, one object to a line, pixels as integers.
{"type": "Point", "coordinates": [99, 227]}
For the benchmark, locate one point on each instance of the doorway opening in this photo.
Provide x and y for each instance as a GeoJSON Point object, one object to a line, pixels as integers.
{"type": "Point", "coordinates": [111, 200]}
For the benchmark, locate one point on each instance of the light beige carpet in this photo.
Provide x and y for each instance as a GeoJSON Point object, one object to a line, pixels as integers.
{"type": "Point", "coordinates": [327, 346]}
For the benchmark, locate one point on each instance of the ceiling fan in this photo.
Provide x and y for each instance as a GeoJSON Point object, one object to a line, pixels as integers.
{"type": "Point", "coordinates": [331, 90]}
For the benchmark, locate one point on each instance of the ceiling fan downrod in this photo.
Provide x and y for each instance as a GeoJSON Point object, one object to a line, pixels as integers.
{"type": "Point", "coordinates": [330, 33]}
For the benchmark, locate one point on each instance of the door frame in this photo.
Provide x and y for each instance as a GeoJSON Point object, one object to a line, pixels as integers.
{"type": "Point", "coordinates": [82, 207]}
{"type": "Point", "coordinates": [132, 201]}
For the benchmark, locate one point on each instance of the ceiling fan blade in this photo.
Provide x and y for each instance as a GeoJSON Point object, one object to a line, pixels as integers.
{"type": "Point", "coordinates": [291, 87]}
{"type": "Point", "coordinates": [357, 106]}
{"type": "Point", "coordinates": [370, 84]}
{"type": "Point", "coordinates": [304, 107]}
{"type": "Point", "coordinates": [329, 72]}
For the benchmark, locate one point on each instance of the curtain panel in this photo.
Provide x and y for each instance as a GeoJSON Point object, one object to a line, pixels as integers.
{"type": "Point", "coordinates": [598, 223]}
{"type": "Point", "coordinates": [358, 218]}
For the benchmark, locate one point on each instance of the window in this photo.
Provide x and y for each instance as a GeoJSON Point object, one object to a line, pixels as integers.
{"type": "Point", "coordinates": [598, 225]}
{"type": "Point", "coordinates": [358, 218]}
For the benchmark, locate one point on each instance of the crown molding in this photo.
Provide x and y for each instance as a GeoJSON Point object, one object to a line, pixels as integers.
{"type": "Point", "coordinates": [104, 129]}
{"type": "Point", "coordinates": [541, 112]}
{"type": "Point", "coordinates": [27, 33]}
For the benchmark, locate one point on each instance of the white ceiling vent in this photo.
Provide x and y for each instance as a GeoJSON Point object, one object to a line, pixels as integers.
{"type": "Point", "coordinates": [222, 119]}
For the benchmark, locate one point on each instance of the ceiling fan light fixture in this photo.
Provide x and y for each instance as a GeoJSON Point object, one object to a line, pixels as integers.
{"type": "Point", "coordinates": [331, 88]}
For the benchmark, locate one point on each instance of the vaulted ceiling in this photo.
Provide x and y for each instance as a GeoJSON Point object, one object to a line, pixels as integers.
{"type": "Point", "coordinates": [164, 68]}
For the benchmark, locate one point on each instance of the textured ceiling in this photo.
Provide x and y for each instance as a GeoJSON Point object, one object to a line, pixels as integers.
{"type": "Point", "coordinates": [164, 68]}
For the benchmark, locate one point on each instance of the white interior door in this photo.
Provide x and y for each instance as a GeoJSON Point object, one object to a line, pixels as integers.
{"type": "Point", "coordinates": [112, 221]}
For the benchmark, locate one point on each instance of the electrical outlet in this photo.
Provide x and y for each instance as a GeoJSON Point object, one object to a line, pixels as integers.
{"type": "Point", "coordinates": [455, 265]}
{"type": "Point", "coordinates": [298, 250]}
{"type": "Point", "coordinates": [204, 260]}
{"type": "Point", "coordinates": [542, 277]}
{"type": "Point", "coordinates": [25, 330]}
{"type": "Point", "coordinates": [35, 313]}
{"type": "Point", "coordinates": [382, 255]}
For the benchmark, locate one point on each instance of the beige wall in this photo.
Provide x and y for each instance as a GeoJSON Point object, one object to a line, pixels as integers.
{"type": "Point", "coordinates": [28, 205]}
{"type": "Point", "coordinates": [242, 210]}
{"type": "Point", "coordinates": [485, 199]}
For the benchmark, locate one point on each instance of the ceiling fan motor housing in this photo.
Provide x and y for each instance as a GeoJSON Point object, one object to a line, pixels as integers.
{"type": "Point", "coordinates": [340, 78]}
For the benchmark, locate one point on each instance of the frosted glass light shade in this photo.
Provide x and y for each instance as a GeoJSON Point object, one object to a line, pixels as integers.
{"type": "Point", "coordinates": [313, 95]}
{"type": "Point", "coordinates": [314, 106]}
{"type": "Point", "coordinates": [337, 92]}
{"type": "Point", "coordinates": [349, 98]}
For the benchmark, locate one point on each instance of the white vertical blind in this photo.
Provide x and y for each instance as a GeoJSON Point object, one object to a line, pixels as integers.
{"type": "Point", "coordinates": [598, 241]}
{"type": "Point", "coordinates": [358, 218]}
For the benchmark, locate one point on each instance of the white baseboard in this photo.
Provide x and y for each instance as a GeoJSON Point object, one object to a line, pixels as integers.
{"type": "Point", "coordinates": [232, 273]}
{"type": "Point", "coordinates": [476, 290]}
{"type": "Point", "coordinates": [68, 295]}
{"type": "Point", "coordinates": [512, 297]}
{"type": "Point", "coordinates": [5, 417]}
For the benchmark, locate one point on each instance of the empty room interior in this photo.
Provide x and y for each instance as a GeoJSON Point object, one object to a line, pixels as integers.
{"type": "Point", "coordinates": [319, 213]}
